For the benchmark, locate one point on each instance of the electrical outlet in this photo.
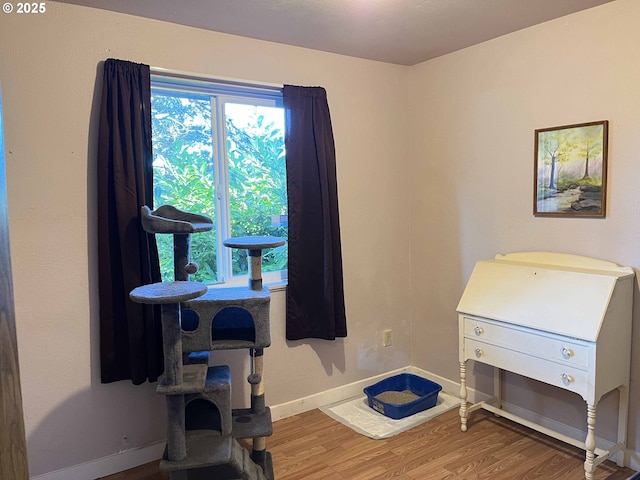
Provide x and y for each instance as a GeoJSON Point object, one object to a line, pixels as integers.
{"type": "Point", "coordinates": [386, 338]}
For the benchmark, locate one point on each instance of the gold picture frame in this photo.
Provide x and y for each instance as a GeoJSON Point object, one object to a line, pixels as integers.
{"type": "Point", "coordinates": [570, 170]}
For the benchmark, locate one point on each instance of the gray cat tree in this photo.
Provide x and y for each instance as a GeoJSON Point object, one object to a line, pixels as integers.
{"type": "Point", "coordinates": [202, 428]}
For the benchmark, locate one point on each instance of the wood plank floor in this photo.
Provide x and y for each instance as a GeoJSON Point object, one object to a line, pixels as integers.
{"type": "Point", "coordinates": [312, 446]}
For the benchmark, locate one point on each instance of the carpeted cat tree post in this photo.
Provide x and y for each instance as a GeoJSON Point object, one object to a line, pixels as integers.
{"type": "Point", "coordinates": [202, 428]}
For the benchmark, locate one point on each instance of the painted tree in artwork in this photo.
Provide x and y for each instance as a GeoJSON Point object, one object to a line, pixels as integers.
{"type": "Point", "coordinates": [554, 147]}
{"type": "Point", "coordinates": [590, 145]}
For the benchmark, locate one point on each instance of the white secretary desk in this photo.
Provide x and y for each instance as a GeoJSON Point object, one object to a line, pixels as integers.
{"type": "Point", "coordinates": [561, 319]}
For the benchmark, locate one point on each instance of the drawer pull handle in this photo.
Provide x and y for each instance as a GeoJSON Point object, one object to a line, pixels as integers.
{"type": "Point", "coordinates": [567, 353]}
{"type": "Point", "coordinates": [566, 379]}
{"type": "Point", "coordinates": [479, 331]}
{"type": "Point", "coordinates": [478, 353]}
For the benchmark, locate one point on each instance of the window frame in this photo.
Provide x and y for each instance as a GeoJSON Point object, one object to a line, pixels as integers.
{"type": "Point", "coordinates": [220, 92]}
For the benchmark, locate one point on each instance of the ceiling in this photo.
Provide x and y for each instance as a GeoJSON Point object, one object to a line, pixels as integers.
{"type": "Point", "coordinates": [403, 32]}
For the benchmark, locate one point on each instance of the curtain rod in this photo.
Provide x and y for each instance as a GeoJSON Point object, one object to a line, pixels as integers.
{"type": "Point", "coordinates": [197, 76]}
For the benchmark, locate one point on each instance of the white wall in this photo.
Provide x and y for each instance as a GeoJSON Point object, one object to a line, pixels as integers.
{"type": "Point", "coordinates": [48, 71]}
{"type": "Point", "coordinates": [435, 170]}
{"type": "Point", "coordinates": [474, 114]}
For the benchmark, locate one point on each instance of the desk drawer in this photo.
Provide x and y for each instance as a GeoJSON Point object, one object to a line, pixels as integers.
{"type": "Point", "coordinates": [563, 376]}
{"type": "Point", "coordinates": [536, 343]}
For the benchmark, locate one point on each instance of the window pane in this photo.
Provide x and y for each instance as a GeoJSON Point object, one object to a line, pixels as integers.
{"type": "Point", "coordinates": [183, 174]}
{"type": "Point", "coordinates": [257, 180]}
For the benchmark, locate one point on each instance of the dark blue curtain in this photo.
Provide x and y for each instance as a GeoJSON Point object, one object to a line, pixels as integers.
{"type": "Point", "coordinates": [315, 293]}
{"type": "Point", "coordinates": [130, 333]}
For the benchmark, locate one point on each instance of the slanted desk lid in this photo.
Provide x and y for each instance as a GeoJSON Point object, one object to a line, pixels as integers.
{"type": "Point", "coordinates": [559, 293]}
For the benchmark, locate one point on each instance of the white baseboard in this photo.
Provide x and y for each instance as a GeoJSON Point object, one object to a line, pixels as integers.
{"type": "Point", "coordinates": [327, 397]}
{"type": "Point", "coordinates": [633, 459]}
{"type": "Point", "coordinates": [139, 456]}
{"type": "Point", "coordinates": [105, 466]}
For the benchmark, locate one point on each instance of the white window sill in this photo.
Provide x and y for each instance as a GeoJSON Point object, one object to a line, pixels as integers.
{"type": "Point", "coordinates": [278, 286]}
{"type": "Point", "coordinates": [274, 285]}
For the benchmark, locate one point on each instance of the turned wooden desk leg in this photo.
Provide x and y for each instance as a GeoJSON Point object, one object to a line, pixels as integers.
{"type": "Point", "coordinates": [590, 442]}
{"type": "Point", "coordinates": [463, 396]}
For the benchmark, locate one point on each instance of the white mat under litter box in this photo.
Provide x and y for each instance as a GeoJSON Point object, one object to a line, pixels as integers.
{"type": "Point", "coordinates": [359, 416]}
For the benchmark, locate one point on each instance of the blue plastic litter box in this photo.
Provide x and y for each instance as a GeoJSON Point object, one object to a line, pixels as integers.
{"type": "Point", "coordinates": [425, 390]}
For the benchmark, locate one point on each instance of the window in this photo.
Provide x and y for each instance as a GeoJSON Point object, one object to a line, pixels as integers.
{"type": "Point", "coordinates": [218, 150]}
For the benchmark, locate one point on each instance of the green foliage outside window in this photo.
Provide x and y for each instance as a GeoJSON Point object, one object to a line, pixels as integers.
{"type": "Point", "coordinates": [257, 184]}
{"type": "Point", "coordinates": [184, 176]}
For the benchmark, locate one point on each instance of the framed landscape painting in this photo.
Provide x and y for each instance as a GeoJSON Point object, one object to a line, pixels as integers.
{"type": "Point", "coordinates": [570, 172]}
